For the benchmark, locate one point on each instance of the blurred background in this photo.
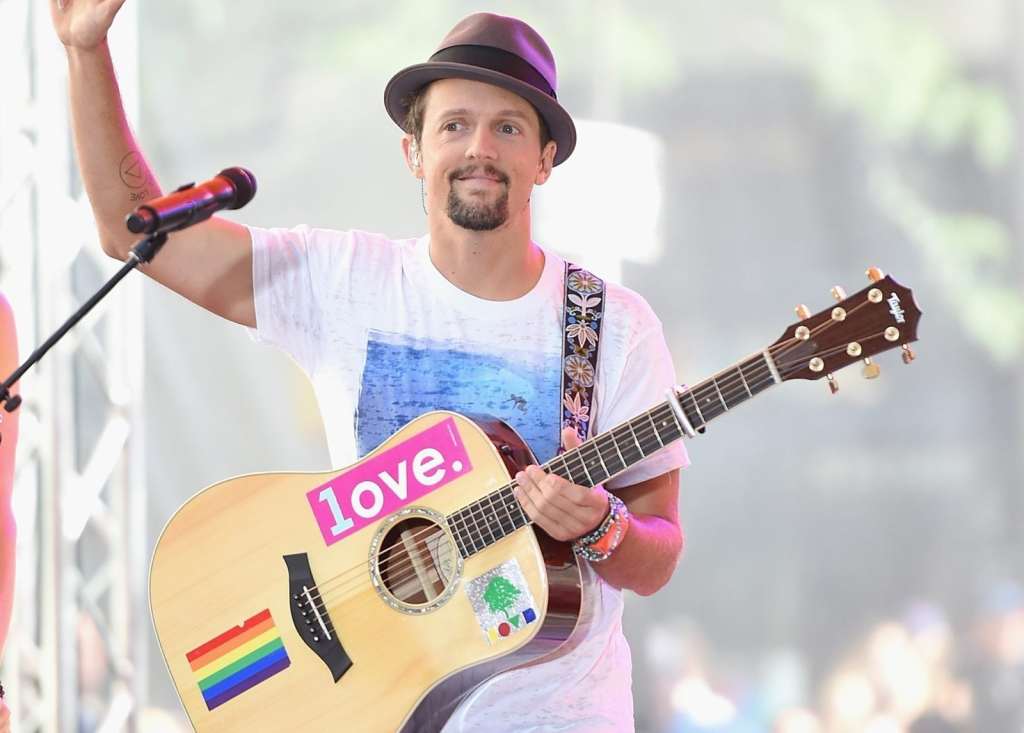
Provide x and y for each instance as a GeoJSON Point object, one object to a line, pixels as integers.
{"type": "Point", "coordinates": [853, 562]}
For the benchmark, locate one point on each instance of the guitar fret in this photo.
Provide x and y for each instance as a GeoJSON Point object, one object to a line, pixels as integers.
{"type": "Point", "coordinates": [476, 535]}
{"type": "Point", "coordinates": [700, 414]}
{"type": "Point", "coordinates": [487, 522]}
{"type": "Point", "coordinates": [704, 393]}
{"type": "Point", "coordinates": [762, 372]}
{"type": "Point", "coordinates": [607, 473]}
{"type": "Point", "coordinates": [667, 425]}
{"type": "Point", "coordinates": [615, 444]}
{"type": "Point", "coordinates": [588, 463]}
{"type": "Point", "coordinates": [513, 501]}
{"type": "Point", "coordinates": [610, 457]}
{"type": "Point", "coordinates": [635, 454]}
{"type": "Point", "coordinates": [656, 434]}
{"type": "Point", "coordinates": [635, 440]}
{"type": "Point", "coordinates": [454, 522]}
{"type": "Point", "coordinates": [739, 369]}
{"type": "Point", "coordinates": [568, 472]}
{"type": "Point", "coordinates": [487, 511]}
{"type": "Point", "coordinates": [465, 535]}
{"type": "Point", "coordinates": [508, 515]}
{"type": "Point", "coordinates": [724, 403]}
{"type": "Point", "coordinates": [497, 518]}
{"type": "Point", "coordinates": [457, 534]}
{"type": "Point", "coordinates": [511, 520]}
{"type": "Point", "coordinates": [508, 529]}
{"type": "Point", "coordinates": [582, 463]}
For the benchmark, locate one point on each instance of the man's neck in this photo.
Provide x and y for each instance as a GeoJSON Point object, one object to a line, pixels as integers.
{"type": "Point", "coordinates": [502, 264]}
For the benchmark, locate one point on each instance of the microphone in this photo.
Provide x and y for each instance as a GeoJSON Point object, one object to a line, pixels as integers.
{"type": "Point", "coordinates": [190, 204]}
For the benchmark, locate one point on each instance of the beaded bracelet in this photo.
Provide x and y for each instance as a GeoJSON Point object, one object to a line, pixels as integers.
{"type": "Point", "coordinates": [601, 543]}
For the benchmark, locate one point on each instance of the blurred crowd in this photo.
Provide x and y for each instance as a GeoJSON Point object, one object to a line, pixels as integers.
{"type": "Point", "coordinates": [916, 673]}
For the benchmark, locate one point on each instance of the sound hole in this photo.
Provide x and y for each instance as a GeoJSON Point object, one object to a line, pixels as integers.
{"type": "Point", "coordinates": [416, 561]}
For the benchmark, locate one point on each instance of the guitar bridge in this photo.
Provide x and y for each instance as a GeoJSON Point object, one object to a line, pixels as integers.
{"type": "Point", "coordinates": [310, 617]}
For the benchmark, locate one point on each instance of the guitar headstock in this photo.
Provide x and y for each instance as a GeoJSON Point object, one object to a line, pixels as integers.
{"type": "Point", "coordinates": [880, 317]}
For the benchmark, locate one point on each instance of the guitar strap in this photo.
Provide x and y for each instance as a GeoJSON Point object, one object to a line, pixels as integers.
{"type": "Point", "coordinates": [582, 312]}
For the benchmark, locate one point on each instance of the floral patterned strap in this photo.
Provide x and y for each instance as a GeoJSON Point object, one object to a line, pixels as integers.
{"type": "Point", "coordinates": [583, 311]}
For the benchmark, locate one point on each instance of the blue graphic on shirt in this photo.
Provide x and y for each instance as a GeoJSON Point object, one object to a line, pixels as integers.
{"type": "Point", "coordinates": [404, 377]}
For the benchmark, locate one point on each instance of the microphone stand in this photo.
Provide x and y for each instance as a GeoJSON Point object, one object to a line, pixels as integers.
{"type": "Point", "coordinates": [142, 252]}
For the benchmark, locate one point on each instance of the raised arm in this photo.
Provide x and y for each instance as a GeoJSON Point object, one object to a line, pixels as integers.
{"type": "Point", "coordinates": [209, 263]}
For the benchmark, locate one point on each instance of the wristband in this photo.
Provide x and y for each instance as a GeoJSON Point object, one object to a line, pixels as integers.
{"type": "Point", "coordinates": [602, 542]}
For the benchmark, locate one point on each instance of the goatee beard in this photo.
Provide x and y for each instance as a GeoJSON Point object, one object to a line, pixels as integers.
{"type": "Point", "coordinates": [473, 216]}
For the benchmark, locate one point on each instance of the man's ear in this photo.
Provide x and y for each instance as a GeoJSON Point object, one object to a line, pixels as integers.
{"type": "Point", "coordinates": [547, 162]}
{"type": "Point", "coordinates": [413, 156]}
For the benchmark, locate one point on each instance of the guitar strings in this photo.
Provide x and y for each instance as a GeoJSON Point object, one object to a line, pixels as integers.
{"type": "Point", "coordinates": [404, 569]}
{"type": "Point", "coordinates": [733, 389]}
{"type": "Point", "coordinates": [477, 510]}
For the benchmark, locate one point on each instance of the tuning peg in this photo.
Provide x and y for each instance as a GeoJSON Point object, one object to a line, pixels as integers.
{"type": "Point", "coordinates": [832, 383]}
{"type": "Point", "coordinates": [871, 369]}
{"type": "Point", "coordinates": [908, 355]}
{"type": "Point", "coordinates": [874, 274]}
{"type": "Point", "coordinates": [838, 293]}
{"type": "Point", "coordinates": [802, 312]}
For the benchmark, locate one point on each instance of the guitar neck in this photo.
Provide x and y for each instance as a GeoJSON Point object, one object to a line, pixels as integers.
{"type": "Point", "coordinates": [498, 514]}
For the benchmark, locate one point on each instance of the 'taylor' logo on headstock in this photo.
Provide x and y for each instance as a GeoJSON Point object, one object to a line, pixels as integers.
{"type": "Point", "coordinates": [895, 309]}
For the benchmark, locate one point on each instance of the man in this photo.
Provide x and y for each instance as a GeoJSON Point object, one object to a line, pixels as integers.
{"type": "Point", "coordinates": [468, 318]}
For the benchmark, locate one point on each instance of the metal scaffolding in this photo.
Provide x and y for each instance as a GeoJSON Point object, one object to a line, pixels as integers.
{"type": "Point", "coordinates": [75, 657]}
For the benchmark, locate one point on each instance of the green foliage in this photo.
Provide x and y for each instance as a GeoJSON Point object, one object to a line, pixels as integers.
{"type": "Point", "coordinates": [903, 82]}
{"type": "Point", "coordinates": [900, 78]}
{"type": "Point", "coordinates": [500, 595]}
{"type": "Point", "coordinates": [968, 254]}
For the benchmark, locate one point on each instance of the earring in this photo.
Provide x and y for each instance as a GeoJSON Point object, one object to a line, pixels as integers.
{"type": "Point", "coordinates": [423, 196]}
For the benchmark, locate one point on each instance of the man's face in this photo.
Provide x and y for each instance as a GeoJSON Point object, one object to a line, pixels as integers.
{"type": "Point", "coordinates": [481, 152]}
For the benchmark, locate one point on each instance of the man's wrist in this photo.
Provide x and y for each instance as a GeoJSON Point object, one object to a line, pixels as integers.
{"type": "Point", "coordinates": [599, 544]}
{"type": "Point", "coordinates": [82, 52]}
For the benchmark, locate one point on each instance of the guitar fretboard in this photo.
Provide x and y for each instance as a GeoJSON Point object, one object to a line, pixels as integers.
{"type": "Point", "coordinates": [498, 514]}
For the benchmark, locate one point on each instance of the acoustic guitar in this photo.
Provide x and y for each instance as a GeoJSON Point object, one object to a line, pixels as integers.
{"type": "Point", "coordinates": [374, 598]}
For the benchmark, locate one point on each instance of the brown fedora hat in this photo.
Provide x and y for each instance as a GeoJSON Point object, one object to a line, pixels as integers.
{"type": "Point", "coordinates": [497, 50]}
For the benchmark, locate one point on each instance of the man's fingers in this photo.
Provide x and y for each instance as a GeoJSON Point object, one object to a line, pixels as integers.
{"type": "Point", "coordinates": [529, 495]}
{"type": "Point", "coordinates": [570, 438]}
{"type": "Point", "coordinates": [561, 492]}
{"type": "Point", "coordinates": [111, 7]}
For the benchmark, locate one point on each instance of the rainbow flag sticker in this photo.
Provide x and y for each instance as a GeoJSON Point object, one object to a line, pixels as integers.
{"type": "Point", "coordinates": [238, 659]}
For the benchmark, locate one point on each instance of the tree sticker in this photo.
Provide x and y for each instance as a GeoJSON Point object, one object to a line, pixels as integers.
{"type": "Point", "coordinates": [500, 595]}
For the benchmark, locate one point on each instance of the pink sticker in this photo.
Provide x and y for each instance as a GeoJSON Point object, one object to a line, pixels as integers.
{"type": "Point", "coordinates": [390, 480]}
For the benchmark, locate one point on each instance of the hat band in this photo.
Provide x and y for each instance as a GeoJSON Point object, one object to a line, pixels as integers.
{"type": "Point", "coordinates": [495, 59]}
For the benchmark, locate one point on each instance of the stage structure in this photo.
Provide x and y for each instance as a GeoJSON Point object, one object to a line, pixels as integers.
{"type": "Point", "coordinates": [76, 656]}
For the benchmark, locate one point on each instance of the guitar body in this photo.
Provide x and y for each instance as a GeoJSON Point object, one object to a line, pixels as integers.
{"type": "Point", "coordinates": [341, 600]}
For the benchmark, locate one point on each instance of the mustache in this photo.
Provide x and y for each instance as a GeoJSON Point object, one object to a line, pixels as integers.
{"type": "Point", "coordinates": [472, 170]}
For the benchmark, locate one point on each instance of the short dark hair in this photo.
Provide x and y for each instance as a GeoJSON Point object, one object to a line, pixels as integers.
{"type": "Point", "coordinates": [417, 101]}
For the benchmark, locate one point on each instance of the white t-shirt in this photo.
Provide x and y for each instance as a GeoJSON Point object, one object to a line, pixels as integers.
{"type": "Point", "coordinates": [384, 337]}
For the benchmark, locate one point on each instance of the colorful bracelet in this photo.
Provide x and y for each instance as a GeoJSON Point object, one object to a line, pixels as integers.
{"type": "Point", "coordinates": [602, 542]}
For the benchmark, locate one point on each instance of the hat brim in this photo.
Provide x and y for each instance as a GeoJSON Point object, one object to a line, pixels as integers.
{"type": "Point", "coordinates": [408, 80]}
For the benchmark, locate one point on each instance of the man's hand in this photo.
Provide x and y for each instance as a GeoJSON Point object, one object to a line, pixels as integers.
{"type": "Point", "coordinates": [83, 23]}
{"type": "Point", "coordinates": [561, 508]}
